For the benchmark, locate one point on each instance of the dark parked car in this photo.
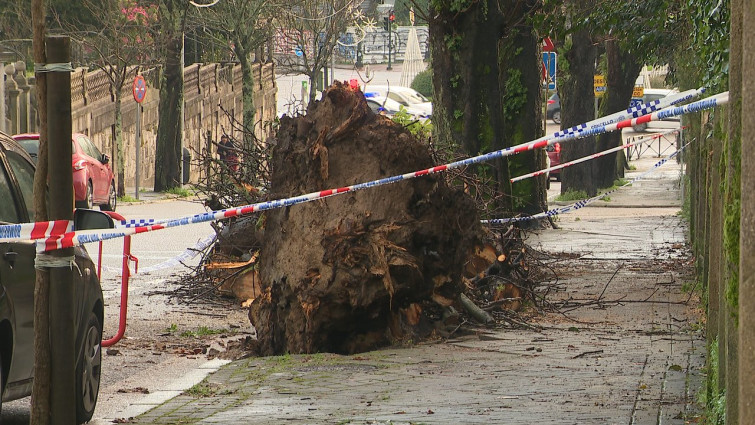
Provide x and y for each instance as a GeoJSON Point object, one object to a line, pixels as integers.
{"type": "Point", "coordinates": [554, 154]}
{"type": "Point", "coordinates": [93, 180]}
{"type": "Point", "coordinates": [553, 109]}
{"type": "Point", "coordinates": [17, 276]}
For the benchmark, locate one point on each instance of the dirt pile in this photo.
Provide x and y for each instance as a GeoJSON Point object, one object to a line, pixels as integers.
{"type": "Point", "coordinates": [356, 271]}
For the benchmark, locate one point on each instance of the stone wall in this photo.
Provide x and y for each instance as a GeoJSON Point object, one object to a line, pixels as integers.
{"type": "Point", "coordinates": [212, 101]}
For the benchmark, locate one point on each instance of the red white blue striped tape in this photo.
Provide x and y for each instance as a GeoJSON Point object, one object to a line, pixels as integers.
{"type": "Point", "coordinates": [56, 240]}
{"type": "Point", "coordinates": [645, 139]}
{"type": "Point", "coordinates": [583, 203]}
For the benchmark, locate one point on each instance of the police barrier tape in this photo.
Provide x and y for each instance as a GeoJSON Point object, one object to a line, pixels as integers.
{"type": "Point", "coordinates": [629, 113]}
{"type": "Point", "coordinates": [41, 230]}
{"type": "Point", "coordinates": [580, 204]}
{"type": "Point", "coordinates": [593, 156]}
{"type": "Point", "coordinates": [55, 240]}
{"type": "Point", "coordinates": [186, 255]}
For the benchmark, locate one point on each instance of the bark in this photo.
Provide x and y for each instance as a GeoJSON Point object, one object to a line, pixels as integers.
{"type": "Point", "coordinates": [485, 100]}
{"type": "Point", "coordinates": [747, 241]}
{"type": "Point", "coordinates": [577, 106]}
{"type": "Point", "coordinates": [524, 123]}
{"type": "Point", "coordinates": [622, 72]}
{"type": "Point", "coordinates": [169, 137]}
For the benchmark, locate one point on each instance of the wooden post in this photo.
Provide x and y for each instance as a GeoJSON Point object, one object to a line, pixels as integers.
{"type": "Point", "coordinates": [62, 341]}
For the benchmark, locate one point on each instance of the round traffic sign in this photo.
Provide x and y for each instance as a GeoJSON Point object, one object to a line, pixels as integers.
{"type": "Point", "coordinates": [140, 88]}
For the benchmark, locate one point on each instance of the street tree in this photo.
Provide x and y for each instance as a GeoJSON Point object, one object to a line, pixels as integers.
{"type": "Point", "coordinates": [172, 25]}
{"type": "Point", "coordinates": [308, 31]}
{"type": "Point", "coordinates": [243, 28]}
{"type": "Point", "coordinates": [486, 79]}
{"type": "Point", "coordinates": [118, 35]}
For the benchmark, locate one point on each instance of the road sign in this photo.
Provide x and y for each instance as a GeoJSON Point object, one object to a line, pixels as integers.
{"type": "Point", "coordinates": [599, 85]}
{"type": "Point", "coordinates": [548, 45]}
{"type": "Point", "coordinates": [549, 70]}
{"type": "Point", "coordinates": [140, 89]}
{"type": "Point", "coordinates": [638, 92]}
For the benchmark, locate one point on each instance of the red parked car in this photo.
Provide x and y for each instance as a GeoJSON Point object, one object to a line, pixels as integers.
{"type": "Point", "coordinates": [93, 180]}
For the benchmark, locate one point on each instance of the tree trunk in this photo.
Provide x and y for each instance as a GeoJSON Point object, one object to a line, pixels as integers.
{"type": "Point", "coordinates": [119, 154]}
{"type": "Point", "coordinates": [577, 106]}
{"type": "Point", "coordinates": [747, 240]}
{"type": "Point", "coordinates": [522, 118]}
{"type": "Point", "coordinates": [623, 69]}
{"type": "Point", "coordinates": [169, 137]}
{"type": "Point", "coordinates": [484, 101]}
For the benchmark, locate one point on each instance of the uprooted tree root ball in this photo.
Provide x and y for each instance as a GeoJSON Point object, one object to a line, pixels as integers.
{"type": "Point", "coordinates": [352, 272]}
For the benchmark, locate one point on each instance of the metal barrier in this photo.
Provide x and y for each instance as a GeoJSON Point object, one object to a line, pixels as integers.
{"type": "Point", "coordinates": [636, 151]}
{"type": "Point", "coordinates": [125, 275]}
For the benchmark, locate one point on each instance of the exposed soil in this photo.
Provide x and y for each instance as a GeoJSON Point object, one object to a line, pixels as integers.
{"type": "Point", "coordinates": [354, 272]}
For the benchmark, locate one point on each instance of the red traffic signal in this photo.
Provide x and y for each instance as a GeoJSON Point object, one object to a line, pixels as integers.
{"type": "Point", "coordinates": [391, 16]}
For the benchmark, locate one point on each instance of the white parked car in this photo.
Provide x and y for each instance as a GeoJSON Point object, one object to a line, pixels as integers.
{"type": "Point", "coordinates": [649, 96]}
{"type": "Point", "coordinates": [410, 98]}
{"type": "Point", "coordinates": [381, 104]}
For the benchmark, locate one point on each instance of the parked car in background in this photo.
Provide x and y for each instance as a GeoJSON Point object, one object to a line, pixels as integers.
{"type": "Point", "coordinates": [93, 180]}
{"type": "Point", "coordinates": [553, 109]}
{"type": "Point", "coordinates": [17, 277]}
{"type": "Point", "coordinates": [413, 101]}
{"type": "Point", "coordinates": [649, 96]}
{"type": "Point", "coordinates": [554, 154]}
{"type": "Point", "coordinates": [386, 106]}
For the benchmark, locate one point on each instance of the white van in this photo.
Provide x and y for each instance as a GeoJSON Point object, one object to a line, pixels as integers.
{"type": "Point", "coordinates": [413, 100]}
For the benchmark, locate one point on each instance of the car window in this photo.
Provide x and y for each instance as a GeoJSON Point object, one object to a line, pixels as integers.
{"type": "Point", "coordinates": [8, 211]}
{"type": "Point", "coordinates": [89, 148]}
{"type": "Point", "coordinates": [397, 98]}
{"type": "Point", "coordinates": [416, 97]}
{"type": "Point", "coordinates": [24, 173]}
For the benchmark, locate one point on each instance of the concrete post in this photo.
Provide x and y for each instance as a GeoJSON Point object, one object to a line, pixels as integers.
{"type": "Point", "coordinates": [747, 221]}
{"type": "Point", "coordinates": [23, 97]}
{"type": "Point", "coordinates": [12, 92]}
{"type": "Point", "coordinates": [2, 100]}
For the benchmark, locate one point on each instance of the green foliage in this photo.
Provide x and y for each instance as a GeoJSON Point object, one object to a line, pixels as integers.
{"type": "Point", "coordinates": [420, 129]}
{"type": "Point", "coordinates": [205, 331]}
{"type": "Point", "coordinates": [711, 396]}
{"type": "Point", "coordinates": [423, 83]}
{"type": "Point", "coordinates": [127, 198]}
{"type": "Point", "coordinates": [572, 195]}
{"type": "Point", "coordinates": [180, 191]}
{"type": "Point", "coordinates": [515, 95]}
{"type": "Point", "coordinates": [710, 21]}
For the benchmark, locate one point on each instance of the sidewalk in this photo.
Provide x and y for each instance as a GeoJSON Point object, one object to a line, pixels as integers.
{"type": "Point", "coordinates": [633, 353]}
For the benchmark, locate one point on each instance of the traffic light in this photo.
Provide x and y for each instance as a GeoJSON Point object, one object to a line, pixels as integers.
{"type": "Point", "coordinates": [386, 24]}
{"type": "Point", "coordinates": [391, 16]}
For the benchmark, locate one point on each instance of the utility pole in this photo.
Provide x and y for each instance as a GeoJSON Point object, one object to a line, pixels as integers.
{"type": "Point", "coordinates": [62, 341]}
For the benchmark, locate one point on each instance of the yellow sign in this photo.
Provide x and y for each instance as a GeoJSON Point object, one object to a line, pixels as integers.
{"type": "Point", "coordinates": [638, 92]}
{"type": "Point", "coordinates": [599, 85]}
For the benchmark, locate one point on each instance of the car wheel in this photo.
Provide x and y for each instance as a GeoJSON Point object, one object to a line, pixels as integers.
{"type": "Point", "coordinates": [88, 201]}
{"type": "Point", "coordinates": [557, 117]}
{"type": "Point", "coordinates": [639, 127]}
{"type": "Point", "coordinates": [112, 199]}
{"type": "Point", "coordinates": [88, 370]}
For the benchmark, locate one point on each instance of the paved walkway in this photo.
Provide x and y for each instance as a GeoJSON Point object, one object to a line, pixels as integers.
{"type": "Point", "coordinates": [632, 353]}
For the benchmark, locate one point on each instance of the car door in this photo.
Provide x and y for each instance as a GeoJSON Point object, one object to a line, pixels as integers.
{"type": "Point", "coordinates": [98, 171]}
{"type": "Point", "coordinates": [17, 273]}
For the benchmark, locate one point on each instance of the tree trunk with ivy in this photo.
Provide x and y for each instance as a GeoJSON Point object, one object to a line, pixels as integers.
{"type": "Point", "coordinates": [168, 152]}
{"type": "Point", "coordinates": [623, 67]}
{"type": "Point", "coordinates": [576, 91]}
{"type": "Point", "coordinates": [488, 99]}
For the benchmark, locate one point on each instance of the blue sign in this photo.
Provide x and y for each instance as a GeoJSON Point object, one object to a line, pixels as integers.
{"type": "Point", "coordinates": [549, 70]}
